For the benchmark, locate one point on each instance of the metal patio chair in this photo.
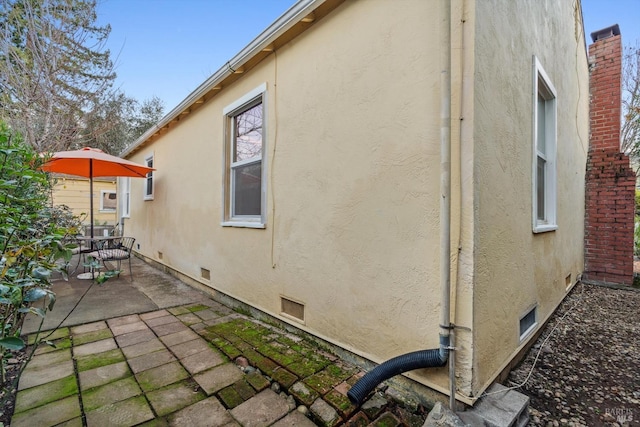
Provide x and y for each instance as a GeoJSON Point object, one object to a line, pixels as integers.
{"type": "Point", "coordinates": [115, 249]}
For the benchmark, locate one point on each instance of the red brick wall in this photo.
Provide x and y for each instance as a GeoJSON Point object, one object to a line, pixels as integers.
{"type": "Point", "coordinates": [610, 182]}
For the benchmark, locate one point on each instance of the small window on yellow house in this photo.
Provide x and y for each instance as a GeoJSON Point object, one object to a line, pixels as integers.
{"type": "Point", "coordinates": [108, 201]}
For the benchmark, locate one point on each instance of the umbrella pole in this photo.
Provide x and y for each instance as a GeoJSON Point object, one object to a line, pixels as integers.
{"type": "Point", "coordinates": [91, 197]}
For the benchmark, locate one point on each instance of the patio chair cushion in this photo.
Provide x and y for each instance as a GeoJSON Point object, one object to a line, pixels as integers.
{"type": "Point", "coordinates": [110, 254]}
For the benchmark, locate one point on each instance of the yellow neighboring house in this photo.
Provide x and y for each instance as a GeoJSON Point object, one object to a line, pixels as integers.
{"type": "Point", "coordinates": [385, 176]}
{"type": "Point", "coordinates": [73, 191]}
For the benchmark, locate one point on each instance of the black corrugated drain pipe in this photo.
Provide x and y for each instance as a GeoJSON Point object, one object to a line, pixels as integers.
{"type": "Point", "coordinates": [433, 358]}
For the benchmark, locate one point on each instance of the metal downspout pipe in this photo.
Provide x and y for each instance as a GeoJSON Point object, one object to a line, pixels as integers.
{"type": "Point", "coordinates": [434, 357]}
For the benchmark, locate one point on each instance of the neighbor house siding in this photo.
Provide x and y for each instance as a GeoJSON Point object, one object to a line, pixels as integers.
{"type": "Point", "coordinates": [74, 193]}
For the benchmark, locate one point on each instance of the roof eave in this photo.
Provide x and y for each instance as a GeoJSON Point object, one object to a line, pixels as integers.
{"type": "Point", "coordinates": [286, 21]}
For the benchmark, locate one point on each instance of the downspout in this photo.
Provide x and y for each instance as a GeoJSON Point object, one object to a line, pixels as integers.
{"type": "Point", "coordinates": [435, 357]}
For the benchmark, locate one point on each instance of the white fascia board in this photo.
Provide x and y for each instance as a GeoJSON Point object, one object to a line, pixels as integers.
{"type": "Point", "coordinates": [287, 20]}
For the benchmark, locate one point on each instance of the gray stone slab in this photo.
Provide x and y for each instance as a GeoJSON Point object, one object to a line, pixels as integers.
{"type": "Point", "coordinates": [32, 377]}
{"type": "Point", "coordinates": [128, 412]}
{"type": "Point", "coordinates": [136, 337]}
{"type": "Point", "coordinates": [202, 361]}
{"type": "Point", "coordinates": [49, 359]}
{"type": "Point", "coordinates": [325, 412]}
{"type": "Point", "coordinates": [95, 347]}
{"type": "Point", "coordinates": [151, 360]}
{"type": "Point", "coordinates": [123, 320]}
{"type": "Point", "coordinates": [49, 415]}
{"type": "Point", "coordinates": [189, 318]}
{"type": "Point", "coordinates": [110, 393]}
{"type": "Point", "coordinates": [207, 314]}
{"type": "Point", "coordinates": [162, 320]}
{"type": "Point", "coordinates": [169, 328]}
{"type": "Point", "coordinates": [153, 314]}
{"type": "Point", "coordinates": [208, 412]}
{"type": "Point", "coordinates": [262, 410]}
{"type": "Point", "coordinates": [190, 347]}
{"type": "Point", "coordinates": [294, 419]}
{"type": "Point", "coordinates": [143, 348]}
{"type": "Point", "coordinates": [128, 328]}
{"type": "Point", "coordinates": [45, 393]}
{"type": "Point", "coordinates": [161, 376]}
{"type": "Point", "coordinates": [76, 422]}
{"type": "Point", "coordinates": [218, 378]}
{"type": "Point", "coordinates": [179, 337]}
{"type": "Point", "coordinates": [103, 375]}
{"type": "Point", "coordinates": [173, 398]}
{"type": "Point", "coordinates": [90, 327]}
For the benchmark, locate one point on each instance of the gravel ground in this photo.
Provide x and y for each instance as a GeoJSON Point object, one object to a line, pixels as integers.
{"type": "Point", "coordinates": [588, 361]}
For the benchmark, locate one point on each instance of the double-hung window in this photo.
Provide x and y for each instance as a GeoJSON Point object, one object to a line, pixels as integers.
{"type": "Point", "coordinates": [148, 185]}
{"type": "Point", "coordinates": [544, 153]}
{"type": "Point", "coordinates": [244, 202]}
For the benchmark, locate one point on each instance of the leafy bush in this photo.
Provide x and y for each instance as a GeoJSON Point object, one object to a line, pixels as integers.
{"type": "Point", "coordinates": [32, 236]}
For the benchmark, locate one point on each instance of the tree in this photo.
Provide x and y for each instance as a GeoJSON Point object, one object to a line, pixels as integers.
{"type": "Point", "coordinates": [119, 121]}
{"type": "Point", "coordinates": [630, 134]}
{"type": "Point", "coordinates": [54, 69]}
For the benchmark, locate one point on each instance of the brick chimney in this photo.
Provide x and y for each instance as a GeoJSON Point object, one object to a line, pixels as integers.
{"type": "Point", "coordinates": [610, 182]}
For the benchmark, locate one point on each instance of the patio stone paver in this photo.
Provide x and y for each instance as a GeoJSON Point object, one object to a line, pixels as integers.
{"type": "Point", "coordinates": [49, 359]}
{"type": "Point", "coordinates": [208, 412]}
{"type": "Point", "coordinates": [110, 393]}
{"type": "Point", "coordinates": [128, 328]}
{"type": "Point", "coordinates": [176, 311]}
{"type": "Point", "coordinates": [154, 314]}
{"type": "Point", "coordinates": [189, 319]}
{"type": "Point", "coordinates": [91, 336]}
{"type": "Point", "coordinates": [123, 320]}
{"type": "Point", "coordinates": [202, 361]}
{"type": "Point", "coordinates": [103, 375]}
{"type": "Point", "coordinates": [169, 328]}
{"type": "Point", "coordinates": [89, 327]}
{"type": "Point", "coordinates": [76, 422]}
{"type": "Point", "coordinates": [124, 413]}
{"type": "Point", "coordinates": [92, 361]}
{"type": "Point", "coordinates": [45, 393]}
{"type": "Point", "coordinates": [161, 320]}
{"type": "Point", "coordinates": [190, 347]}
{"type": "Point", "coordinates": [143, 348]}
{"type": "Point", "coordinates": [136, 337]}
{"type": "Point", "coordinates": [262, 410]}
{"type": "Point", "coordinates": [207, 314]}
{"type": "Point", "coordinates": [150, 360]}
{"type": "Point", "coordinates": [161, 376]}
{"type": "Point", "coordinates": [294, 419]}
{"type": "Point", "coordinates": [50, 414]}
{"type": "Point", "coordinates": [179, 337]}
{"type": "Point", "coordinates": [95, 347]}
{"type": "Point", "coordinates": [174, 397]}
{"type": "Point", "coordinates": [32, 377]}
{"type": "Point", "coordinates": [218, 378]}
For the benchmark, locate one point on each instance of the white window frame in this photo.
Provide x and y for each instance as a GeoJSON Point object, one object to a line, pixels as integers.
{"type": "Point", "coordinates": [149, 162]}
{"type": "Point", "coordinates": [125, 197]}
{"type": "Point", "coordinates": [250, 99]}
{"type": "Point", "coordinates": [542, 86]}
{"type": "Point", "coordinates": [102, 208]}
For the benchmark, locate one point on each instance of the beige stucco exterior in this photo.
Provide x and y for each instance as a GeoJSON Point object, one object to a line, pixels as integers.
{"type": "Point", "coordinates": [73, 192]}
{"type": "Point", "coordinates": [351, 148]}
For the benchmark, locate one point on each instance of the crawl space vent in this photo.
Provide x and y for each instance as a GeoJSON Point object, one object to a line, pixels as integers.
{"type": "Point", "coordinates": [292, 308]}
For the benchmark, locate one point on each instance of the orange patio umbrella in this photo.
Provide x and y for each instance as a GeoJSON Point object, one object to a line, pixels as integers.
{"type": "Point", "coordinates": [91, 162]}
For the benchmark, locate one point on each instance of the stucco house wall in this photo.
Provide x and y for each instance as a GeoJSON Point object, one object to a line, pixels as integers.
{"type": "Point", "coordinates": [351, 148]}
{"type": "Point", "coordinates": [517, 269]}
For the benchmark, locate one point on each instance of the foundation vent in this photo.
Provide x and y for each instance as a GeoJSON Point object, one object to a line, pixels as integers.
{"type": "Point", "coordinates": [159, 255]}
{"type": "Point", "coordinates": [528, 323]}
{"type": "Point", "coordinates": [205, 274]}
{"type": "Point", "coordinates": [292, 308]}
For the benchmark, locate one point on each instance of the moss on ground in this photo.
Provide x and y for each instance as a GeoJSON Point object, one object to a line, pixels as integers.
{"type": "Point", "coordinates": [91, 361]}
{"type": "Point", "coordinates": [92, 336]}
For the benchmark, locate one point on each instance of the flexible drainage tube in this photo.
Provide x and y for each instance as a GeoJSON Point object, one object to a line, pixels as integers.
{"type": "Point", "coordinates": [407, 362]}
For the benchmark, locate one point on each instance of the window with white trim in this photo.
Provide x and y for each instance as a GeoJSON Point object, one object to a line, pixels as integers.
{"type": "Point", "coordinates": [148, 184]}
{"type": "Point", "coordinates": [125, 192]}
{"type": "Point", "coordinates": [108, 201]}
{"type": "Point", "coordinates": [544, 154]}
{"type": "Point", "coordinates": [244, 202]}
